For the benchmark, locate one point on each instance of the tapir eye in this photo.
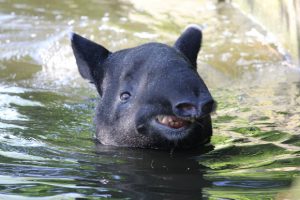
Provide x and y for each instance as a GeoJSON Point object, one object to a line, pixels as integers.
{"type": "Point", "coordinates": [125, 96]}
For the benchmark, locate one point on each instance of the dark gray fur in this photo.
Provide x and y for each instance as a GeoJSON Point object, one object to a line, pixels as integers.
{"type": "Point", "coordinates": [159, 80]}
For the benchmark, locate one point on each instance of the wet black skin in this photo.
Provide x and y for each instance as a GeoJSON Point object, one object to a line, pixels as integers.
{"type": "Point", "coordinates": [138, 84]}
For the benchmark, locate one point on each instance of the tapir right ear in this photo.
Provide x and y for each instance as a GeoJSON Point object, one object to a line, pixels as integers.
{"type": "Point", "coordinates": [89, 56]}
{"type": "Point", "coordinates": [189, 43]}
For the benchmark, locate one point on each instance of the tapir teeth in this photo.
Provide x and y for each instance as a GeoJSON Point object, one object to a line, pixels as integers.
{"type": "Point", "coordinates": [172, 121]}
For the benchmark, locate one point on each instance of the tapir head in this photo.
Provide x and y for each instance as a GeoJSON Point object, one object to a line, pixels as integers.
{"type": "Point", "coordinates": [151, 95]}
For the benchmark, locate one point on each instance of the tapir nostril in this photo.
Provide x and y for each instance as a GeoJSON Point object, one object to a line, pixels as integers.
{"type": "Point", "coordinates": [208, 107]}
{"type": "Point", "coordinates": [186, 109]}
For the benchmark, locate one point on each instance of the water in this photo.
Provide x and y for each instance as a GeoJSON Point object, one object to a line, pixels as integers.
{"type": "Point", "coordinates": [47, 150]}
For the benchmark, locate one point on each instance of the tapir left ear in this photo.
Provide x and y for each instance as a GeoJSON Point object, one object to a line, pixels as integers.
{"type": "Point", "coordinates": [189, 43]}
{"type": "Point", "coordinates": [89, 57]}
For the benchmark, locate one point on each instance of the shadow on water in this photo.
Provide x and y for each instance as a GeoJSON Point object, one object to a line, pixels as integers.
{"type": "Point", "coordinates": [152, 174]}
{"type": "Point", "coordinates": [114, 173]}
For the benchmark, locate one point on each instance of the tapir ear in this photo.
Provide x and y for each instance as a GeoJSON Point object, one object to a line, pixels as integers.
{"type": "Point", "coordinates": [189, 43]}
{"type": "Point", "coordinates": [89, 57]}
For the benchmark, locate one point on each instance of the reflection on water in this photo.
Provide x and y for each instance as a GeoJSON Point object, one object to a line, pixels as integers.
{"type": "Point", "coordinates": [46, 132]}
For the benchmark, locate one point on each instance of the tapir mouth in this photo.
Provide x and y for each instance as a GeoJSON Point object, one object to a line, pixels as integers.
{"type": "Point", "coordinates": [172, 121]}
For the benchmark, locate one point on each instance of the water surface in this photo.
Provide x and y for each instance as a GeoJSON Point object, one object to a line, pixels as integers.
{"type": "Point", "coordinates": [47, 150]}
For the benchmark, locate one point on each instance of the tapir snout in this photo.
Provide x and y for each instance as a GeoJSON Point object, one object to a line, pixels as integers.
{"type": "Point", "coordinates": [194, 110]}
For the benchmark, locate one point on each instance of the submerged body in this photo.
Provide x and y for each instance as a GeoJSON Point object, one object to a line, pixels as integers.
{"type": "Point", "coordinates": [151, 96]}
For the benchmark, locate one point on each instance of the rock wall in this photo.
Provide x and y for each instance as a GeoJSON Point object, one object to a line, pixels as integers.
{"type": "Point", "coordinates": [280, 17]}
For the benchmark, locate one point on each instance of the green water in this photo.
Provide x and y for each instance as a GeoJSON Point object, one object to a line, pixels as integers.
{"type": "Point", "coordinates": [47, 149]}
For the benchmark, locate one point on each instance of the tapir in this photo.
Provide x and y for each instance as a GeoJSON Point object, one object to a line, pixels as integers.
{"type": "Point", "coordinates": [151, 95]}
